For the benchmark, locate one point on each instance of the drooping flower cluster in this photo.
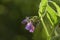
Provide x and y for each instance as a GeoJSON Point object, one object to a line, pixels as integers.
{"type": "Point", "coordinates": [29, 25]}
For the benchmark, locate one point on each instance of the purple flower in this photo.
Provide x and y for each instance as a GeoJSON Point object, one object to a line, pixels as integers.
{"type": "Point", "coordinates": [25, 20]}
{"type": "Point", "coordinates": [31, 30]}
{"type": "Point", "coordinates": [30, 27]}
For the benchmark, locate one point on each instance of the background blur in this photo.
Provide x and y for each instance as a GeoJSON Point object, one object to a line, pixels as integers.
{"type": "Point", "coordinates": [12, 12]}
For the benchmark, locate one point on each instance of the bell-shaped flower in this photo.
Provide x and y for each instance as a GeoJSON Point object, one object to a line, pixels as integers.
{"type": "Point", "coordinates": [30, 27]}
{"type": "Point", "coordinates": [25, 20]}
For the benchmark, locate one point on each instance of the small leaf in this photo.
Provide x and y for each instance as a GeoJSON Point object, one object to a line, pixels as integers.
{"type": "Point", "coordinates": [42, 6]}
{"type": "Point", "coordinates": [57, 7]}
{"type": "Point", "coordinates": [52, 14]}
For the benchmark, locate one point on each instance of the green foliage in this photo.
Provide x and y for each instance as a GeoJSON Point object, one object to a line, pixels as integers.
{"type": "Point", "coordinates": [42, 7]}
{"type": "Point", "coordinates": [52, 14]}
{"type": "Point", "coordinates": [57, 8]}
{"type": "Point", "coordinates": [49, 19]}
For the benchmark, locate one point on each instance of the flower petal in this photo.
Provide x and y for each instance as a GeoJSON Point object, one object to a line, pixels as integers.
{"type": "Point", "coordinates": [24, 21]}
{"type": "Point", "coordinates": [32, 29]}
{"type": "Point", "coordinates": [28, 26]}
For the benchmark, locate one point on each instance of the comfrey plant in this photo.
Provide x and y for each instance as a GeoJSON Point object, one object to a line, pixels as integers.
{"type": "Point", "coordinates": [49, 19]}
{"type": "Point", "coordinates": [30, 23]}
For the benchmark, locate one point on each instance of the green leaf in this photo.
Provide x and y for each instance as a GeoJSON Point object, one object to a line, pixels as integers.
{"type": "Point", "coordinates": [57, 7]}
{"type": "Point", "coordinates": [41, 11]}
{"type": "Point", "coordinates": [52, 14]}
{"type": "Point", "coordinates": [50, 19]}
{"type": "Point", "coordinates": [42, 6]}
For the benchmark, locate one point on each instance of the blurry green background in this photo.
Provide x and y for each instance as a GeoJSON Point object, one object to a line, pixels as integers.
{"type": "Point", "coordinates": [12, 12]}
